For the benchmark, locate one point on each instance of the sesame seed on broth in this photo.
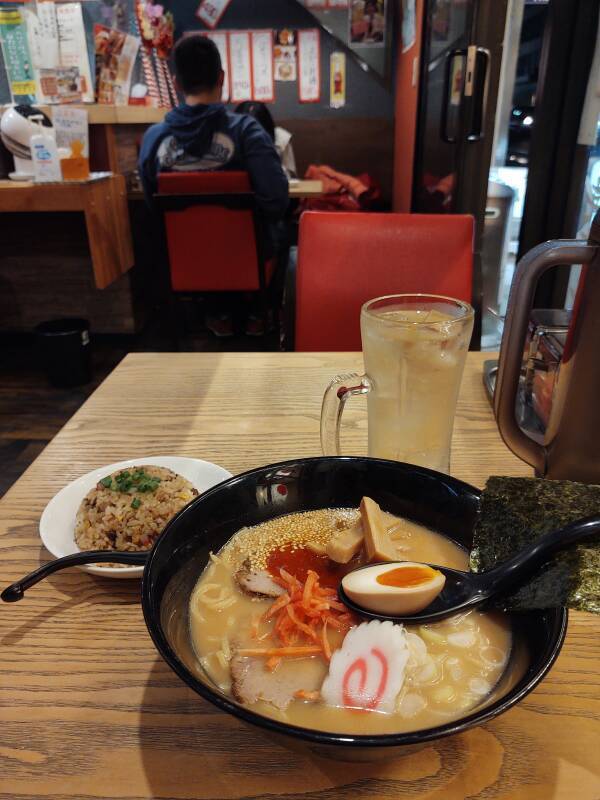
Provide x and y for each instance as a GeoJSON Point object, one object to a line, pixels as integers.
{"type": "Point", "coordinates": [293, 530]}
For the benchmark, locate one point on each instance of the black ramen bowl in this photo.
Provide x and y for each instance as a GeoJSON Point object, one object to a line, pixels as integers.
{"type": "Point", "coordinates": [435, 500]}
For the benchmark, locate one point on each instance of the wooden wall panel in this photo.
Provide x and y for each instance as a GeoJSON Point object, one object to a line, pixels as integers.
{"type": "Point", "coordinates": [348, 145]}
{"type": "Point", "coordinates": [46, 272]}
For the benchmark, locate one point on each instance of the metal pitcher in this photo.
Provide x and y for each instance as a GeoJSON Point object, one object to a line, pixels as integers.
{"type": "Point", "coordinates": [571, 446]}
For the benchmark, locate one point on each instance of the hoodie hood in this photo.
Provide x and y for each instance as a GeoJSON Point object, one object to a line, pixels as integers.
{"type": "Point", "coordinates": [195, 126]}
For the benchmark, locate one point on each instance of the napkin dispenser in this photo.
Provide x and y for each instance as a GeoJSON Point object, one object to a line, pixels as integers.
{"type": "Point", "coordinates": [569, 448]}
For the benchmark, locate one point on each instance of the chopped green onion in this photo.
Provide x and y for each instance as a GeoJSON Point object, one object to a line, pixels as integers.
{"type": "Point", "coordinates": [129, 482]}
{"type": "Point", "coordinates": [136, 502]}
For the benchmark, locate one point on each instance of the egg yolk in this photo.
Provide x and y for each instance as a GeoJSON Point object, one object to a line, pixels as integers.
{"type": "Point", "coordinates": [406, 577]}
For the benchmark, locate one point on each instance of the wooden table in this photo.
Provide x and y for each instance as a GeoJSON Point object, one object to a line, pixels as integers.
{"type": "Point", "coordinates": [297, 190]}
{"type": "Point", "coordinates": [89, 710]}
{"type": "Point", "coordinates": [104, 204]}
{"type": "Point", "coordinates": [302, 188]}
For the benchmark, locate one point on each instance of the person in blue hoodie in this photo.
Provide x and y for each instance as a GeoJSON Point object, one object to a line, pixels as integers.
{"type": "Point", "coordinates": [201, 134]}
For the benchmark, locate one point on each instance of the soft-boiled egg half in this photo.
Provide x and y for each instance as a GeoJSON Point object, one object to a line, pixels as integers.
{"type": "Point", "coordinates": [403, 587]}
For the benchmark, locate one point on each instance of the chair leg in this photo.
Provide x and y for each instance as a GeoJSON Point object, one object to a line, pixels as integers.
{"type": "Point", "coordinates": [264, 309]}
{"type": "Point", "coordinates": [176, 321]}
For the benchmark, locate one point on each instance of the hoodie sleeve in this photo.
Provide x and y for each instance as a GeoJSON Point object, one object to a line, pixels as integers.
{"type": "Point", "coordinates": [266, 174]}
{"type": "Point", "coordinates": [148, 161]}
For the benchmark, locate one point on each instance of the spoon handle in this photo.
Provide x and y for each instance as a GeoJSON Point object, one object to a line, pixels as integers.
{"type": "Point", "coordinates": [16, 590]}
{"type": "Point", "coordinates": [513, 573]}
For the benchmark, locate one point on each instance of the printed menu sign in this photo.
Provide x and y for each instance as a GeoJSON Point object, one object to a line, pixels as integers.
{"type": "Point", "coordinates": [17, 58]}
{"type": "Point", "coordinates": [309, 66]}
{"type": "Point", "coordinates": [240, 62]}
{"type": "Point", "coordinates": [115, 56]}
{"type": "Point", "coordinates": [48, 35]}
{"type": "Point", "coordinates": [211, 11]}
{"type": "Point", "coordinates": [262, 66]}
{"type": "Point", "coordinates": [73, 46]}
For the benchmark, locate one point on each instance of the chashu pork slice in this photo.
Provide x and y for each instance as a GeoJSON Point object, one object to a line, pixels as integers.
{"type": "Point", "coordinates": [257, 582]}
{"type": "Point", "coordinates": [251, 681]}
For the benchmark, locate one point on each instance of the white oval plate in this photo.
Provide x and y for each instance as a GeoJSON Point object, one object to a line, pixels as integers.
{"type": "Point", "coordinates": [57, 523]}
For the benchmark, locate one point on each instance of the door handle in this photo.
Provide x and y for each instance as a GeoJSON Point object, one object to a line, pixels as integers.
{"type": "Point", "coordinates": [447, 94]}
{"type": "Point", "coordinates": [476, 86]}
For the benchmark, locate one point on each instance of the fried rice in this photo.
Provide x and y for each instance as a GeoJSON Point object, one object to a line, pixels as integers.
{"type": "Point", "coordinates": [128, 509]}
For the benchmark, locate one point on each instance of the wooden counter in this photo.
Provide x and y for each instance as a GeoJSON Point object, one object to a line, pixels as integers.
{"type": "Point", "coordinates": [112, 115]}
{"type": "Point", "coordinates": [89, 711]}
{"type": "Point", "coordinates": [104, 204]}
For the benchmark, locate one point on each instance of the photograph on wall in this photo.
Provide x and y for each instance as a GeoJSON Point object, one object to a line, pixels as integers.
{"type": "Point", "coordinates": [211, 11]}
{"type": "Point", "coordinates": [61, 85]}
{"type": "Point", "coordinates": [367, 22]}
{"type": "Point", "coordinates": [285, 55]}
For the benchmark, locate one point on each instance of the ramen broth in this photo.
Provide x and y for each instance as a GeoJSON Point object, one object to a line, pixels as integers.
{"type": "Point", "coordinates": [452, 665]}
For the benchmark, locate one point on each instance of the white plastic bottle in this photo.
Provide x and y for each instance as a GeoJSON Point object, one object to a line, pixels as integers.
{"type": "Point", "coordinates": [44, 155]}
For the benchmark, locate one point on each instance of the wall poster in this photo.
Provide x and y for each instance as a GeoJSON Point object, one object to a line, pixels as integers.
{"type": "Point", "coordinates": [115, 57]}
{"type": "Point", "coordinates": [17, 58]}
{"type": "Point", "coordinates": [337, 80]}
{"type": "Point", "coordinates": [262, 66]}
{"type": "Point", "coordinates": [220, 39]}
{"type": "Point", "coordinates": [309, 65]}
{"type": "Point", "coordinates": [285, 55]}
{"type": "Point", "coordinates": [73, 45]}
{"type": "Point", "coordinates": [240, 66]}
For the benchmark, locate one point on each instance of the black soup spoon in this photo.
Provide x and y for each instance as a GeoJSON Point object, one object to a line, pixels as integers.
{"type": "Point", "coordinates": [464, 591]}
{"type": "Point", "coordinates": [16, 590]}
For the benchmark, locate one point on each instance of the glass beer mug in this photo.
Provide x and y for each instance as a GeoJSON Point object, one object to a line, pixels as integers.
{"type": "Point", "coordinates": [414, 349]}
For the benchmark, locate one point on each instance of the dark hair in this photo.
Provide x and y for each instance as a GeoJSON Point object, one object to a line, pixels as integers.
{"type": "Point", "coordinates": [197, 64]}
{"type": "Point", "coordinates": [260, 113]}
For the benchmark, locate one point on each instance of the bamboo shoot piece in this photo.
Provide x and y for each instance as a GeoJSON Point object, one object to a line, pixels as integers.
{"type": "Point", "coordinates": [317, 548]}
{"type": "Point", "coordinates": [343, 547]}
{"type": "Point", "coordinates": [378, 545]}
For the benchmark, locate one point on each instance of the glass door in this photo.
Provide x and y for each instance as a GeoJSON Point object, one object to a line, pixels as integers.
{"type": "Point", "coordinates": [440, 138]}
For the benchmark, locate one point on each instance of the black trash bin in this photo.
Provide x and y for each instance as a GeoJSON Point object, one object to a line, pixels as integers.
{"type": "Point", "coordinates": [63, 347]}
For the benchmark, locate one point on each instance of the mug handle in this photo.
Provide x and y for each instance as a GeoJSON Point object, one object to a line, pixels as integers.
{"type": "Point", "coordinates": [341, 388]}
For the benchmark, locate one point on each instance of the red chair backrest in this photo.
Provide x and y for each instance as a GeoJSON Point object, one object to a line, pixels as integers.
{"type": "Point", "coordinates": [345, 259]}
{"type": "Point", "coordinates": [211, 247]}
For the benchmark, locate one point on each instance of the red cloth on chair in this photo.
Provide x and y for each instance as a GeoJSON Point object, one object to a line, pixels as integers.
{"type": "Point", "coordinates": [341, 192]}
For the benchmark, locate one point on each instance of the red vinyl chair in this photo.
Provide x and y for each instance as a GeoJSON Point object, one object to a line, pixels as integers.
{"type": "Point", "coordinates": [345, 259]}
{"type": "Point", "coordinates": [214, 233]}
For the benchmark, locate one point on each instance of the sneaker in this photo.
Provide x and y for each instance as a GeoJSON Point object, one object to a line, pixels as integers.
{"type": "Point", "coordinates": [221, 325]}
{"type": "Point", "coordinates": [255, 326]}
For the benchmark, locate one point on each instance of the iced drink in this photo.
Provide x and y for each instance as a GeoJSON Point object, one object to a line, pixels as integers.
{"type": "Point", "coordinates": [414, 350]}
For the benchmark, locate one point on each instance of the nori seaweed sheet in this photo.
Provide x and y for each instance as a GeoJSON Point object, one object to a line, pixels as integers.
{"type": "Point", "coordinates": [517, 511]}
